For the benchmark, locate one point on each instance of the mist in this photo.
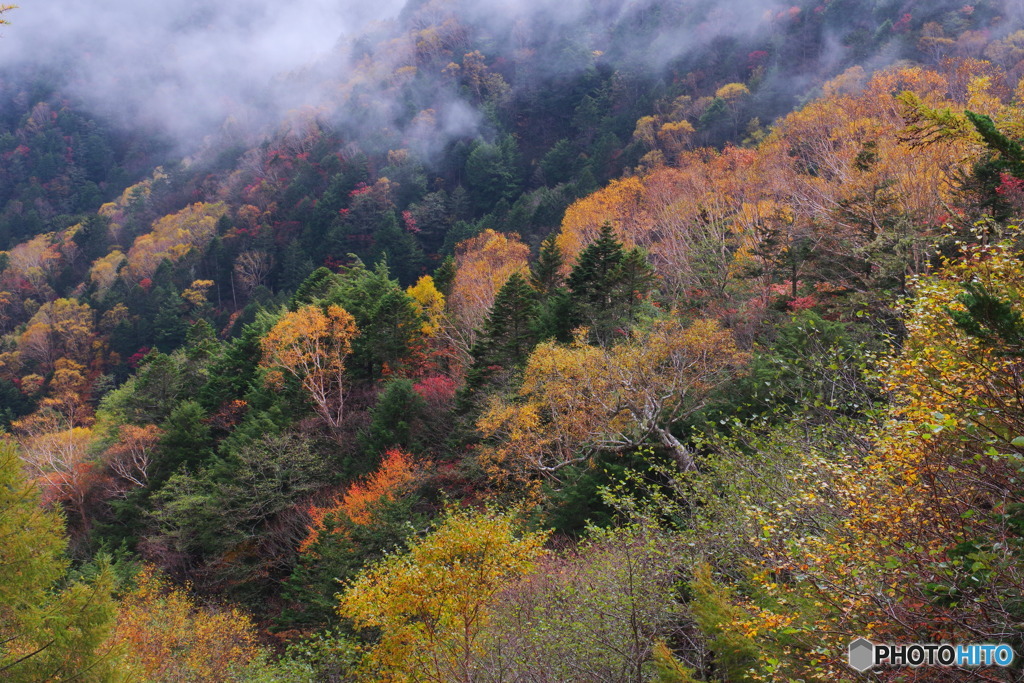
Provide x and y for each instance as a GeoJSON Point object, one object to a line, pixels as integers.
{"type": "Point", "coordinates": [184, 68]}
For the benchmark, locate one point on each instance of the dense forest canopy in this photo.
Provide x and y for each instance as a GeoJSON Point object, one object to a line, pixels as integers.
{"type": "Point", "coordinates": [670, 340]}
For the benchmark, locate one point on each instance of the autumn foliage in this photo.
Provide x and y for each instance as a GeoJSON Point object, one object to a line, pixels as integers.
{"type": "Point", "coordinates": [311, 345]}
{"type": "Point", "coordinates": [483, 264]}
{"type": "Point", "coordinates": [579, 399]}
{"type": "Point", "coordinates": [834, 179]}
{"type": "Point", "coordinates": [431, 603]}
{"type": "Point", "coordinates": [172, 237]}
{"type": "Point", "coordinates": [168, 636]}
{"type": "Point", "coordinates": [916, 538]}
{"type": "Point", "coordinates": [395, 474]}
{"type": "Point", "coordinates": [513, 358]}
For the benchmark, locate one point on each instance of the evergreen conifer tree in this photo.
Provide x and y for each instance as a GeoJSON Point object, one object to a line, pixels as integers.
{"type": "Point", "coordinates": [387, 318]}
{"type": "Point", "coordinates": [508, 336]}
{"type": "Point", "coordinates": [314, 287]}
{"type": "Point", "coordinates": [233, 373]}
{"type": "Point", "coordinates": [1006, 157]}
{"type": "Point", "coordinates": [546, 275]}
{"type": "Point", "coordinates": [393, 419]}
{"type": "Point", "coordinates": [445, 275]}
{"type": "Point", "coordinates": [295, 267]}
{"type": "Point", "coordinates": [186, 442]}
{"type": "Point", "coordinates": [606, 287]}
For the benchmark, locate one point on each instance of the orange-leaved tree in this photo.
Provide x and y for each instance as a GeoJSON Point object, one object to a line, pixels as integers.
{"type": "Point", "coordinates": [576, 400]}
{"type": "Point", "coordinates": [311, 344]}
{"type": "Point", "coordinates": [394, 476]}
{"type": "Point", "coordinates": [167, 636]}
{"type": "Point", "coordinates": [58, 458]}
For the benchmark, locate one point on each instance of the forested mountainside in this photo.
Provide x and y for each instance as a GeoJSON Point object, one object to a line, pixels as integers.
{"type": "Point", "coordinates": [660, 341]}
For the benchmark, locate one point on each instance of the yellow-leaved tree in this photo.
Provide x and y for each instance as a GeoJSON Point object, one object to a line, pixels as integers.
{"type": "Point", "coordinates": [168, 637]}
{"type": "Point", "coordinates": [174, 236]}
{"type": "Point", "coordinates": [918, 536]}
{"type": "Point", "coordinates": [579, 399]}
{"type": "Point", "coordinates": [482, 265]}
{"type": "Point", "coordinates": [431, 603]}
{"type": "Point", "coordinates": [63, 328]}
{"type": "Point", "coordinates": [311, 345]}
{"type": "Point", "coordinates": [429, 302]}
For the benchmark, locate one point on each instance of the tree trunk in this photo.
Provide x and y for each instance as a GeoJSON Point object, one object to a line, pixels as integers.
{"type": "Point", "coordinates": [682, 454]}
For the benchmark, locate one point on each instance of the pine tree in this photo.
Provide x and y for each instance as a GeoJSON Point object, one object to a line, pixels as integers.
{"type": "Point", "coordinates": [1006, 157]}
{"type": "Point", "coordinates": [295, 267]}
{"type": "Point", "coordinates": [399, 249]}
{"type": "Point", "coordinates": [387, 318]}
{"type": "Point", "coordinates": [186, 442]}
{"type": "Point", "coordinates": [508, 336]}
{"type": "Point", "coordinates": [233, 373]}
{"type": "Point", "coordinates": [158, 384]}
{"type": "Point", "coordinates": [592, 280]}
{"type": "Point", "coordinates": [393, 419]}
{"type": "Point", "coordinates": [990, 319]}
{"type": "Point", "coordinates": [509, 333]}
{"type": "Point", "coordinates": [169, 328]}
{"type": "Point", "coordinates": [445, 275]}
{"type": "Point", "coordinates": [635, 280]}
{"type": "Point", "coordinates": [606, 287]}
{"type": "Point", "coordinates": [201, 342]}
{"type": "Point", "coordinates": [314, 287]}
{"type": "Point", "coordinates": [14, 403]}
{"type": "Point", "coordinates": [546, 275]}
{"type": "Point", "coordinates": [1010, 151]}
{"type": "Point", "coordinates": [93, 237]}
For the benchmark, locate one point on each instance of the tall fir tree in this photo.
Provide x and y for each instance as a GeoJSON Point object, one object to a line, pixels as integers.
{"type": "Point", "coordinates": [295, 267]}
{"type": "Point", "coordinates": [399, 249]}
{"type": "Point", "coordinates": [394, 419]}
{"type": "Point", "coordinates": [316, 286]}
{"type": "Point", "coordinates": [508, 336]}
{"type": "Point", "coordinates": [387, 318]}
{"type": "Point", "coordinates": [445, 275]}
{"type": "Point", "coordinates": [607, 286]}
{"type": "Point", "coordinates": [233, 373]}
{"type": "Point", "coordinates": [186, 442]}
{"type": "Point", "coordinates": [546, 274]}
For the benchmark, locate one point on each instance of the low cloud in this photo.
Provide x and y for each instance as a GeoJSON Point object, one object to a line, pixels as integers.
{"type": "Point", "coordinates": [185, 66]}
